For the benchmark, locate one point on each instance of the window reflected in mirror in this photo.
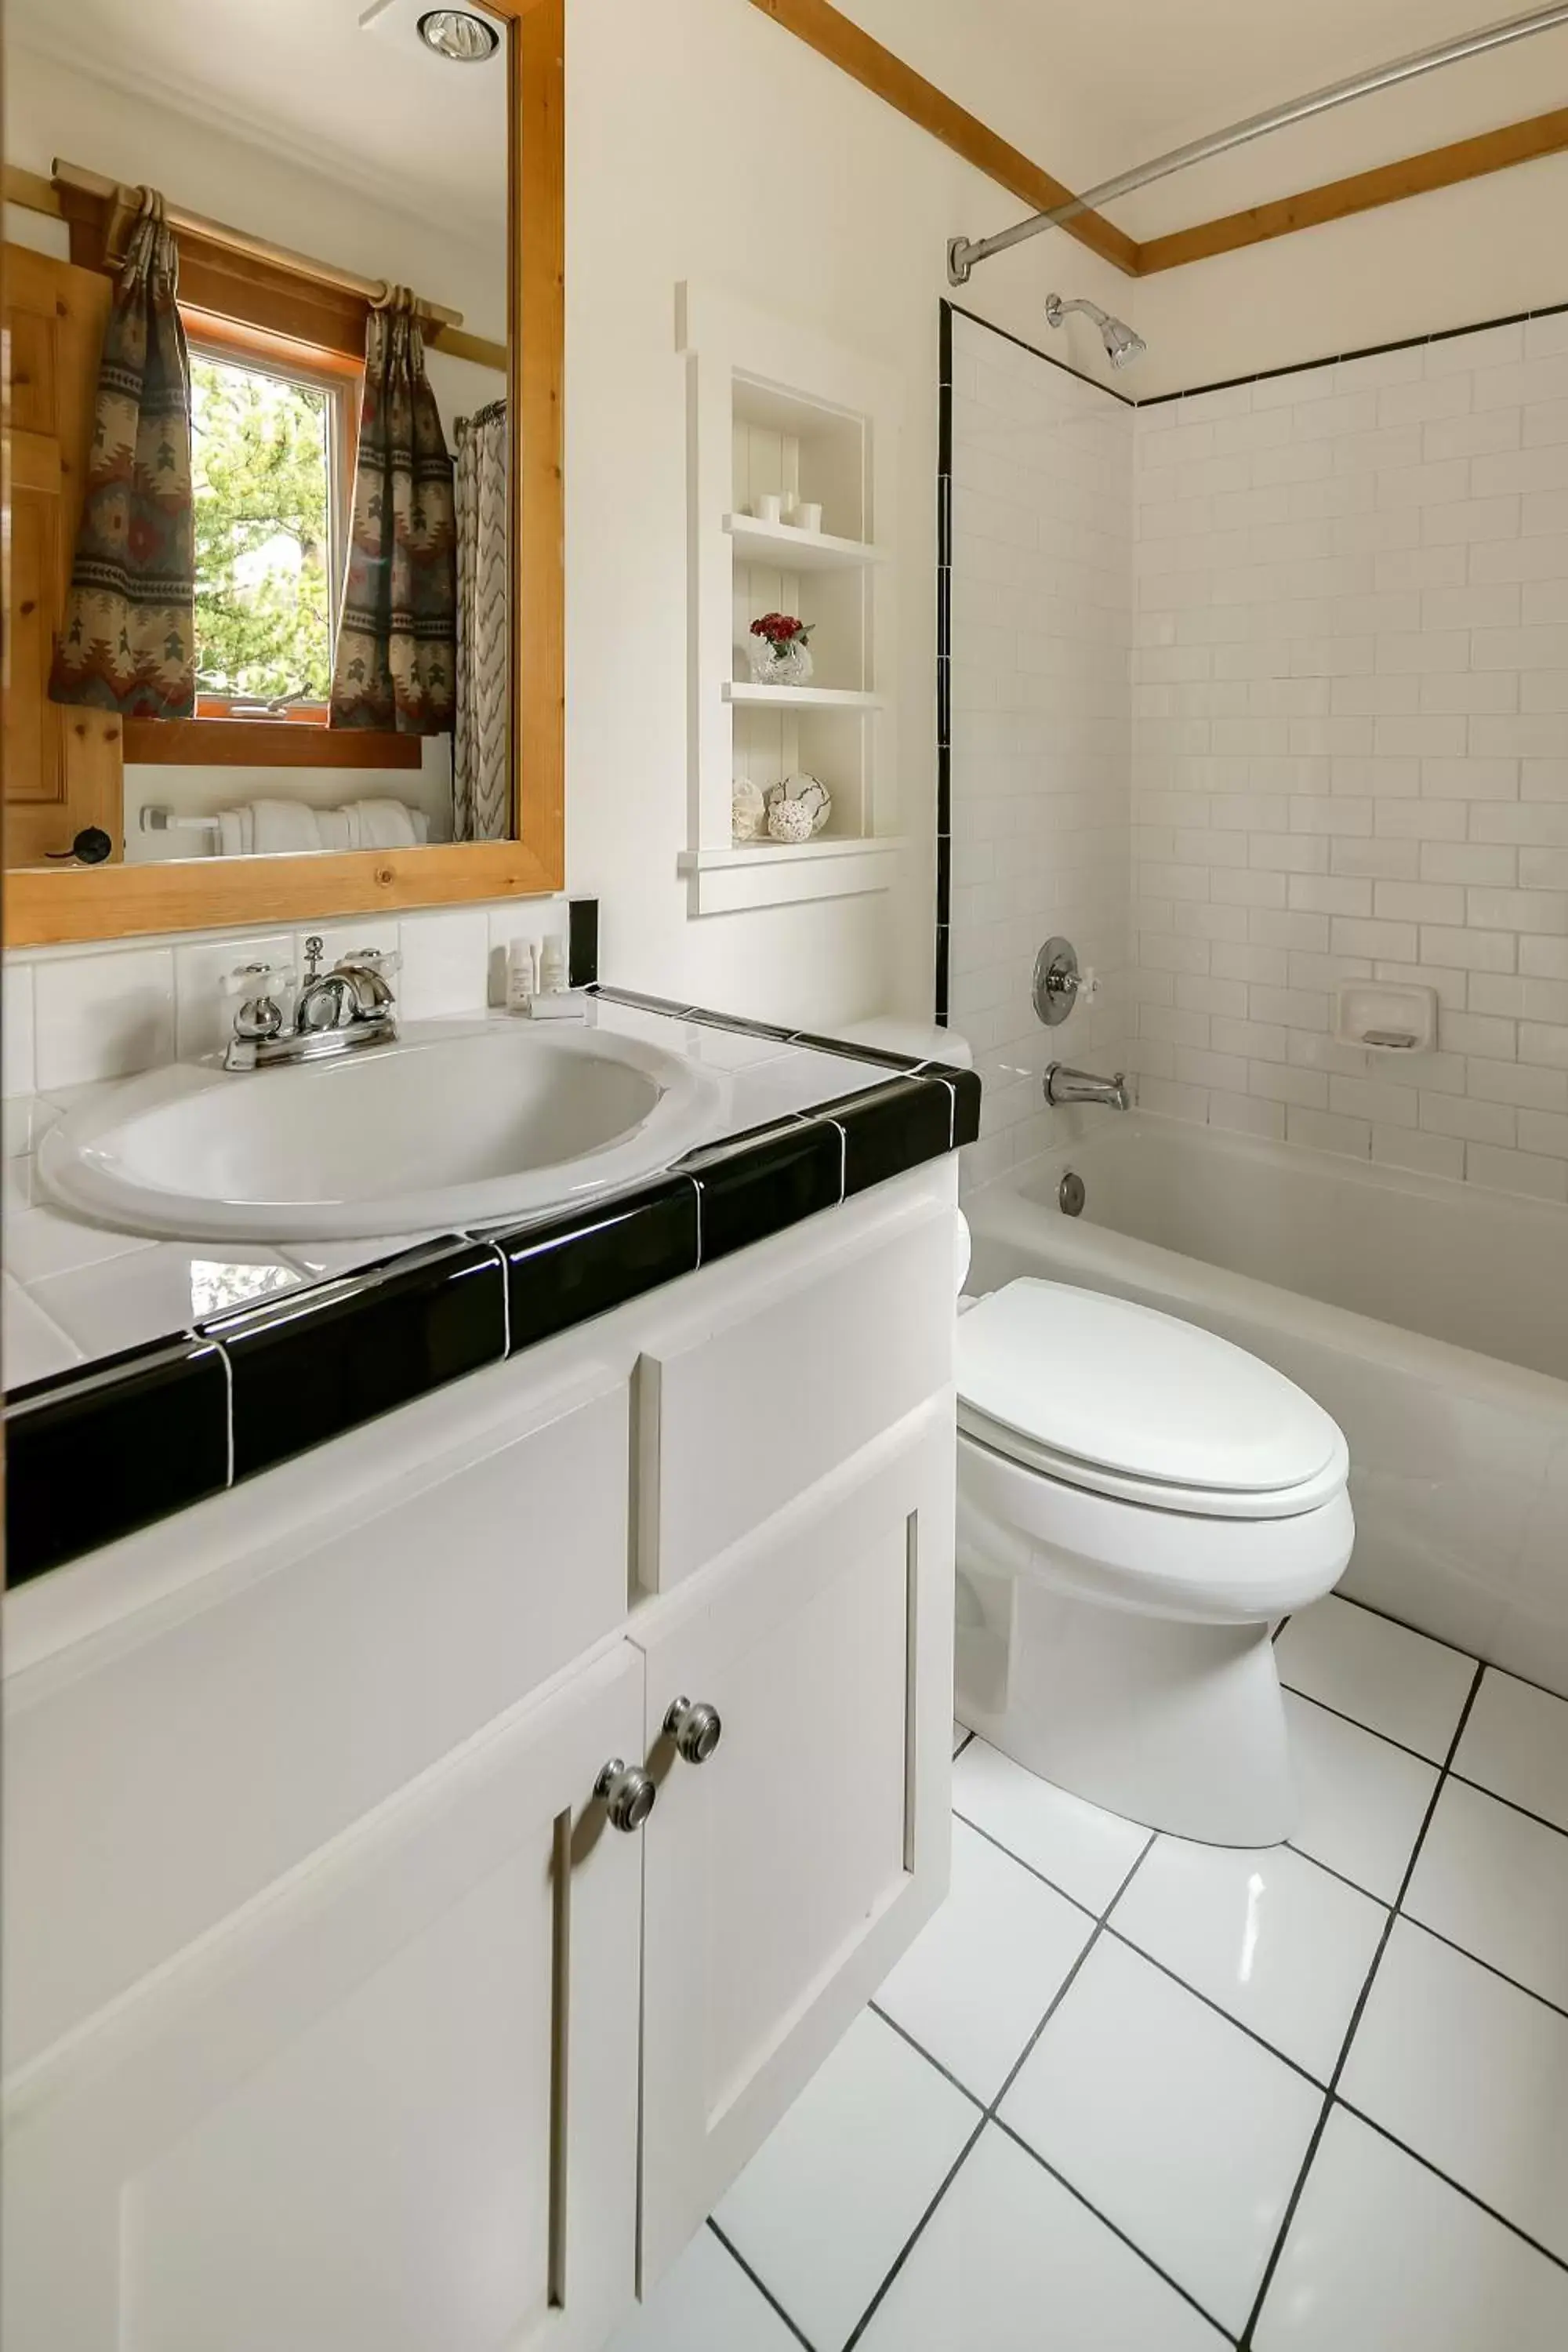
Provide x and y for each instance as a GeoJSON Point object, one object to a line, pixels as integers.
{"type": "Point", "coordinates": [259, 283]}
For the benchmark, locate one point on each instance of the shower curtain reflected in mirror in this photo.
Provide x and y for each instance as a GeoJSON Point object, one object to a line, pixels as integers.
{"type": "Point", "coordinates": [481, 772]}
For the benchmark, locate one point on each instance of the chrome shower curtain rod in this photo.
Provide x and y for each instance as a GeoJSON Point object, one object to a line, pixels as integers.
{"type": "Point", "coordinates": [963, 256]}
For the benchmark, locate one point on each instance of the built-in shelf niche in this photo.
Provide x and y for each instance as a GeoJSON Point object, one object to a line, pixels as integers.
{"type": "Point", "coordinates": [773, 410]}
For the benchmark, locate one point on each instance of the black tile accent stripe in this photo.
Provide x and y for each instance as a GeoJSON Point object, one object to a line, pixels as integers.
{"type": "Point", "coordinates": [942, 952]}
{"type": "Point", "coordinates": [1361, 351]}
{"type": "Point", "coordinates": [316, 1364]}
{"type": "Point", "coordinates": [582, 942]}
{"type": "Point", "coordinates": [96, 1452]}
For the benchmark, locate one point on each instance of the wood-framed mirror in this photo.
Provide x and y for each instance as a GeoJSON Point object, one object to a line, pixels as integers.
{"type": "Point", "coordinates": [325, 737]}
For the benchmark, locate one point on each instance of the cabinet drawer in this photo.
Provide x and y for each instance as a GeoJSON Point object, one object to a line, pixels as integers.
{"type": "Point", "coordinates": [165, 1771]}
{"type": "Point", "coordinates": [737, 1415]}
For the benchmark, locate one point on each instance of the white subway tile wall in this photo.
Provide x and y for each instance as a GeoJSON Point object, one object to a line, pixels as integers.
{"type": "Point", "coordinates": [1042, 619]}
{"type": "Point", "coordinates": [1349, 751]}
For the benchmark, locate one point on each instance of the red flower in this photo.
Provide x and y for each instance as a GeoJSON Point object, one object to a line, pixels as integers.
{"type": "Point", "coordinates": [782, 629]}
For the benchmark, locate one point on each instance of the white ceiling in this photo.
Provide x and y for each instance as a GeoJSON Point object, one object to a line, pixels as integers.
{"type": "Point", "coordinates": [369, 106]}
{"type": "Point", "coordinates": [1088, 88]}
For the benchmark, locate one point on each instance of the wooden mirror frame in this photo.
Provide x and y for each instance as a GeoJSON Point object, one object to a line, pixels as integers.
{"type": "Point", "coordinates": [45, 908]}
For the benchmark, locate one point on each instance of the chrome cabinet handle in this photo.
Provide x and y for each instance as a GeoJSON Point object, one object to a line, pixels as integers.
{"type": "Point", "coordinates": [695, 1729]}
{"type": "Point", "coordinates": [628, 1794]}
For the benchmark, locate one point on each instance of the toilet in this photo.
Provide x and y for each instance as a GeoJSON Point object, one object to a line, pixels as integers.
{"type": "Point", "coordinates": [1139, 1503]}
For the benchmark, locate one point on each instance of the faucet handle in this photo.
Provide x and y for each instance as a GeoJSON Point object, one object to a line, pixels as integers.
{"type": "Point", "coordinates": [385, 960]}
{"type": "Point", "coordinates": [254, 979]}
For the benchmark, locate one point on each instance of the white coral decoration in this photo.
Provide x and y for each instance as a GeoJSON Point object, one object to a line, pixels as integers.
{"type": "Point", "coordinates": [789, 821]}
{"type": "Point", "coordinates": [804, 792]}
{"type": "Point", "coordinates": [748, 810]}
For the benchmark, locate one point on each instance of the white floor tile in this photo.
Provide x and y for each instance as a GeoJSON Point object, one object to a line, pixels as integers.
{"type": "Point", "coordinates": [1496, 1882]}
{"type": "Point", "coordinates": [45, 1241]}
{"type": "Point", "coordinates": [1012, 2262]}
{"type": "Point", "coordinates": [1279, 1943]}
{"type": "Point", "coordinates": [33, 1346]}
{"type": "Point", "coordinates": [981, 1976]}
{"type": "Point", "coordinates": [705, 2304]}
{"type": "Point", "coordinates": [1083, 1851]}
{"type": "Point", "coordinates": [1384, 2257]}
{"type": "Point", "coordinates": [824, 2208]}
{"type": "Point", "coordinates": [1515, 1742]}
{"type": "Point", "coordinates": [1380, 1674]}
{"type": "Point", "coordinates": [1470, 2074]}
{"type": "Point", "coordinates": [1175, 2125]}
{"type": "Point", "coordinates": [1363, 1799]}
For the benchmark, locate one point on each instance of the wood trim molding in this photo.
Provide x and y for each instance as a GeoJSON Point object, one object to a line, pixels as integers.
{"type": "Point", "coordinates": [843, 44]}
{"type": "Point", "coordinates": [204, 742]}
{"type": "Point", "coordinates": [833, 35]}
{"type": "Point", "coordinates": [55, 906]}
{"type": "Point", "coordinates": [1389, 184]}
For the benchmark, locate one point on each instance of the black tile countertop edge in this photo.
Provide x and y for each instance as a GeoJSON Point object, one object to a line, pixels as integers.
{"type": "Point", "coordinates": [96, 1452]}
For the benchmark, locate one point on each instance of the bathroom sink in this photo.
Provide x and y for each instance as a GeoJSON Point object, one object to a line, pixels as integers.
{"type": "Point", "coordinates": [443, 1129]}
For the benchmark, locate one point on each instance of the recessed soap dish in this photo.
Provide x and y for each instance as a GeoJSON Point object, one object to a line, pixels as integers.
{"type": "Point", "coordinates": [1385, 1016]}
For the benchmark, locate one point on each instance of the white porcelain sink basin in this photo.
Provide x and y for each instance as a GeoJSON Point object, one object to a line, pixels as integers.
{"type": "Point", "coordinates": [443, 1128]}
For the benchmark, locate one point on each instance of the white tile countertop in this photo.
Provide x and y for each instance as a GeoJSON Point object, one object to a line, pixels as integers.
{"type": "Point", "coordinates": [75, 1291]}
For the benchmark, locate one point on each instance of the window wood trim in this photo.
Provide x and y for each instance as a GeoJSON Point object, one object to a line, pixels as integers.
{"type": "Point", "coordinates": [114, 902]}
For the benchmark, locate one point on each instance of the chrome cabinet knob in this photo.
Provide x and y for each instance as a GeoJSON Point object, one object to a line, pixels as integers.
{"type": "Point", "coordinates": [627, 1792]}
{"type": "Point", "coordinates": [695, 1729]}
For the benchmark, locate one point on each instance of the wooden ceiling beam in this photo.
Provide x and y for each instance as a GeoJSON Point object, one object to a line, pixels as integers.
{"type": "Point", "coordinates": [1389, 184]}
{"type": "Point", "coordinates": [865, 60]}
{"type": "Point", "coordinates": [833, 36]}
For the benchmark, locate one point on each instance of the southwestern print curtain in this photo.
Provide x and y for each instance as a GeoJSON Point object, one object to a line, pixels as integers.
{"type": "Point", "coordinates": [396, 666]}
{"type": "Point", "coordinates": [126, 639]}
{"type": "Point", "coordinates": [481, 744]}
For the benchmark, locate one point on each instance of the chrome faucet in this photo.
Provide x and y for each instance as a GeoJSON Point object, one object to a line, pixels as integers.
{"type": "Point", "coordinates": [1065, 1086]}
{"type": "Point", "coordinates": [335, 1012]}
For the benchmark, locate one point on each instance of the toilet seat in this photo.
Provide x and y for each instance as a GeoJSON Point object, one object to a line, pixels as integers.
{"type": "Point", "coordinates": [1100, 1393]}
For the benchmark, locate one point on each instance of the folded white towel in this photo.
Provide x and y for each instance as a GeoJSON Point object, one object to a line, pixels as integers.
{"type": "Point", "coordinates": [282, 825]}
{"type": "Point", "coordinates": [390, 825]}
{"type": "Point", "coordinates": [236, 832]}
{"type": "Point", "coordinates": [338, 828]}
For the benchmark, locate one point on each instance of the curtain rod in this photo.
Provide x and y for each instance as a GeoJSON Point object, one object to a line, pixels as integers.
{"type": "Point", "coordinates": [375, 290]}
{"type": "Point", "coordinates": [963, 255]}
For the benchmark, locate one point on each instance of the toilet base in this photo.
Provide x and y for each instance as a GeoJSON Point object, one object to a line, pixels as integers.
{"type": "Point", "coordinates": [1177, 1725]}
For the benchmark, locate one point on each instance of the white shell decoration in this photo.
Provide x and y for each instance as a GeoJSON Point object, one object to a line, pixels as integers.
{"type": "Point", "coordinates": [748, 810]}
{"type": "Point", "coordinates": [801, 791]}
{"type": "Point", "coordinates": [790, 820]}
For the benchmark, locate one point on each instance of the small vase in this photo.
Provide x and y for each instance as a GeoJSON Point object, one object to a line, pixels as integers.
{"type": "Point", "coordinates": [788, 665]}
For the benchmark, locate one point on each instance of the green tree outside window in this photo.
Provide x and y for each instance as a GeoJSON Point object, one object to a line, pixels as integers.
{"type": "Point", "coordinates": [261, 478]}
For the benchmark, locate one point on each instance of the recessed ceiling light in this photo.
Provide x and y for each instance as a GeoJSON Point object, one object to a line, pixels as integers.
{"type": "Point", "coordinates": [455, 33]}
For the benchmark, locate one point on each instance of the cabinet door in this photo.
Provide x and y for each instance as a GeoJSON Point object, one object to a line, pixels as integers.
{"type": "Point", "coordinates": [389, 2106]}
{"type": "Point", "coordinates": [785, 1875]}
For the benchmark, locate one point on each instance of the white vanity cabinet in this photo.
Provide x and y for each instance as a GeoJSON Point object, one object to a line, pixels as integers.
{"type": "Point", "coordinates": [340, 2014]}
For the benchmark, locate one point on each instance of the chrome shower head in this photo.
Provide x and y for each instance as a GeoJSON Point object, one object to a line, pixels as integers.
{"type": "Point", "coordinates": [1121, 345]}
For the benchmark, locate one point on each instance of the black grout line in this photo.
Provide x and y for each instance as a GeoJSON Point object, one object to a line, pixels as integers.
{"type": "Point", "coordinates": [1457, 2186]}
{"type": "Point", "coordinates": [918, 2047]}
{"type": "Point", "coordinates": [1466, 1954]}
{"type": "Point", "coordinates": [988, 2113]}
{"type": "Point", "coordinates": [963, 1743]}
{"type": "Point", "coordinates": [1372, 1609]}
{"type": "Point", "coordinates": [1064, 367]}
{"type": "Point", "coordinates": [1116, 2230]}
{"type": "Point", "coordinates": [769, 2297]}
{"type": "Point", "coordinates": [1481, 1790]}
{"type": "Point", "coordinates": [1330, 1872]}
{"type": "Point", "coordinates": [1432, 1763]}
{"type": "Point", "coordinates": [991, 1840]}
{"type": "Point", "coordinates": [1219, 2008]}
{"type": "Point", "coordinates": [1271, 2266]}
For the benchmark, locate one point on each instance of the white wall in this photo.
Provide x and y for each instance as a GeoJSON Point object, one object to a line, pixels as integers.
{"type": "Point", "coordinates": [1351, 750]}
{"type": "Point", "coordinates": [1042, 623]}
{"type": "Point", "coordinates": [704, 144]}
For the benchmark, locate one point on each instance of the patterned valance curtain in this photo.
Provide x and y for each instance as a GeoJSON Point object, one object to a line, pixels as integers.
{"type": "Point", "coordinates": [127, 640]}
{"type": "Point", "coordinates": [481, 744]}
{"type": "Point", "coordinates": [396, 666]}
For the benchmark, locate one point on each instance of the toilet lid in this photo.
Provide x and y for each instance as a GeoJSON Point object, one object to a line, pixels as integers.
{"type": "Point", "coordinates": [1092, 1379]}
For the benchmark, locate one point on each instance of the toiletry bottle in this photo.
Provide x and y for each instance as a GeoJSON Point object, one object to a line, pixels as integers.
{"type": "Point", "coordinates": [551, 966]}
{"type": "Point", "coordinates": [520, 975]}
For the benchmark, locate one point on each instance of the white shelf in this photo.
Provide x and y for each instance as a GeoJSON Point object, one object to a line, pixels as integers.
{"type": "Point", "coordinates": [801, 698]}
{"type": "Point", "coordinates": [779, 544]}
{"type": "Point", "coordinates": [735, 876]}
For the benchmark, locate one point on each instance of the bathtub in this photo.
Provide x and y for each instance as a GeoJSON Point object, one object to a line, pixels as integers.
{"type": "Point", "coordinates": [1430, 1318]}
